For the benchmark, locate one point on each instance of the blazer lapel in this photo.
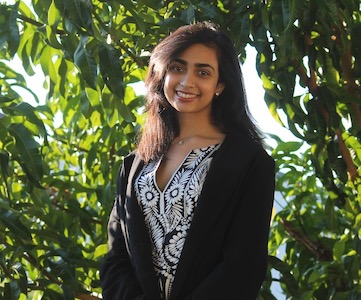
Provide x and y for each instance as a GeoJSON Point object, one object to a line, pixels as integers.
{"type": "Point", "coordinates": [224, 175]}
{"type": "Point", "coordinates": [138, 237]}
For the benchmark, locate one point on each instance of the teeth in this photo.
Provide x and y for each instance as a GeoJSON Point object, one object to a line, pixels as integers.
{"type": "Point", "coordinates": [185, 95]}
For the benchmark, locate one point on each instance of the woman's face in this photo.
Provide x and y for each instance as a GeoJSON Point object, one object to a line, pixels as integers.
{"type": "Point", "coordinates": [191, 81]}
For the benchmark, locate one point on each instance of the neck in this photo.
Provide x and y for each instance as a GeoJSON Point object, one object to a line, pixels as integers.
{"type": "Point", "coordinates": [193, 127]}
{"type": "Point", "coordinates": [189, 124]}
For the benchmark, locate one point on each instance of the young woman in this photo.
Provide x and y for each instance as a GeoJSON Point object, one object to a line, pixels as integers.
{"type": "Point", "coordinates": [192, 211]}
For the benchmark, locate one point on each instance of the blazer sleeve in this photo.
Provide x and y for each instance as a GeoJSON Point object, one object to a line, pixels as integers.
{"type": "Point", "coordinates": [240, 273]}
{"type": "Point", "coordinates": [117, 276]}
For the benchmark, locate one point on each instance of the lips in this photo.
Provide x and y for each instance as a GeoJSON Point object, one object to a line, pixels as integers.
{"type": "Point", "coordinates": [185, 95]}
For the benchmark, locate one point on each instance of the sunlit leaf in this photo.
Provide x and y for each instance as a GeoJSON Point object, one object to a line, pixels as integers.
{"type": "Point", "coordinates": [54, 15]}
{"type": "Point", "coordinates": [28, 111]}
{"type": "Point", "coordinates": [100, 250]}
{"type": "Point", "coordinates": [47, 63]}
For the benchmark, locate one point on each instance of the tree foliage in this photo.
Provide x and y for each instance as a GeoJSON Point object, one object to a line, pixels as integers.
{"type": "Point", "coordinates": [59, 157]}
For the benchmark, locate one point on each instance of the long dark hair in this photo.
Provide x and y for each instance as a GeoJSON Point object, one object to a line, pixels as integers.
{"type": "Point", "coordinates": [229, 109]}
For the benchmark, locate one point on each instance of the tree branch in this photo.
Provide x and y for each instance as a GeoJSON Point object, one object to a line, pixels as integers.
{"type": "Point", "coordinates": [317, 250]}
{"type": "Point", "coordinates": [37, 24]}
{"type": "Point", "coordinates": [351, 168]}
{"type": "Point", "coordinates": [83, 296]}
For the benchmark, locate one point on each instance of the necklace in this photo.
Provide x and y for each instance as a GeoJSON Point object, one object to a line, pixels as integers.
{"type": "Point", "coordinates": [181, 141]}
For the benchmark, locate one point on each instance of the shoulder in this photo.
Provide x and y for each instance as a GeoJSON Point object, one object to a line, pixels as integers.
{"type": "Point", "coordinates": [238, 145]}
{"type": "Point", "coordinates": [131, 163]}
{"type": "Point", "coordinates": [238, 155]}
{"type": "Point", "coordinates": [249, 158]}
{"type": "Point", "coordinates": [128, 160]}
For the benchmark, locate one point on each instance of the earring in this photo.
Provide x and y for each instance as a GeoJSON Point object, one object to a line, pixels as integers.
{"type": "Point", "coordinates": [217, 94]}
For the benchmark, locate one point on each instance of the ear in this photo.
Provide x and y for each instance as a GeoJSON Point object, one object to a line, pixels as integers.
{"type": "Point", "coordinates": [219, 88]}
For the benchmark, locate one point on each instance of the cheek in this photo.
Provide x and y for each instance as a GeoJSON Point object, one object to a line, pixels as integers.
{"type": "Point", "coordinates": [168, 86]}
{"type": "Point", "coordinates": [166, 81]}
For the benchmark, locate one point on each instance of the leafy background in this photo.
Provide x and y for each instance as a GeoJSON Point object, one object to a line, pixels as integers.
{"type": "Point", "coordinates": [57, 179]}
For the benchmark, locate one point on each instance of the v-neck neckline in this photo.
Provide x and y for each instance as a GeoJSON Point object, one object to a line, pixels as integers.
{"type": "Point", "coordinates": [171, 178]}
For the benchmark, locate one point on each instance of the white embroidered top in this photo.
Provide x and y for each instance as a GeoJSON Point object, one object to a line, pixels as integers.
{"type": "Point", "coordinates": [168, 213]}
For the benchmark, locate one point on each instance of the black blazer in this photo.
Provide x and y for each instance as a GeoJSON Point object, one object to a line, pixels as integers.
{"type": "Point", "coordinates": [225, 252]}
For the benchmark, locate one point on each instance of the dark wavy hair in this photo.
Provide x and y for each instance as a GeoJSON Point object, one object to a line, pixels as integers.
{"type": "Point", "coordinates": [229, 109]}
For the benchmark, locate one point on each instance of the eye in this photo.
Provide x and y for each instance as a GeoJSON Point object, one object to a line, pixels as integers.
{"type": "Point", "coordinates": [176, 68]}
{"type": "Point", "coordinates": [204, 73]}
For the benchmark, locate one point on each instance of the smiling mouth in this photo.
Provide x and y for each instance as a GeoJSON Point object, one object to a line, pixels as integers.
{"type": "Point", "coordinates": [185, 95]}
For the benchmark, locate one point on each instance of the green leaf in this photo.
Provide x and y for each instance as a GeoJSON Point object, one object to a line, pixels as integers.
{"type": "Point", "coordinates": [287, 278]}
{"type": "Point", "coordinates": [53, 291]}
{"type": "Point", "coordinates": [4, 162]}
{"type": "Point", "coordinates": [9, 33]}
{"type": "Point", "coordinates": [25, 109]}
{"type": "Point", "coordinates": [85, 105]}
{"type": "Point", "coordinates": [27, 149]}
{"type": "Point", "coordinates": [288, 147]}
{"type": "Point", "coordinates": [242, 28]}
{"type": "Point", "coordinates": [125, 112]}
{"type": "Point", "coordinates": [93, 97]}
{"type": "Point", "coordinates": [339, 249]}
{"type": "Point", "coordinates": [188, 15]}
{"type": "Point", "coordinates": [86, 63]}
{"type": "Point", "coordinates": [281, 17]}
{"type": "Point", "coordinates": [12, 291]}
{"type": "Point", "coordinates": [54, 15]}
{"type": "Point", "coordinates": [111, 69]}
{"type": "Point", "coordinates": [79, 13]}
{"type": "Point", "coordinates": [101, 250]}
{"type": "Point", "coordinates": [52, 38]}
{"type": "Point", "coordinates": [21, 276]}
{"type": "Point", "coordinates": [285, 12]}
{"type": "Point", "coordinates": [46, 61]}
{"type": "Point", "coordinates": [331, 7]}
{"type": "Point", "coordinates": [11, 220]}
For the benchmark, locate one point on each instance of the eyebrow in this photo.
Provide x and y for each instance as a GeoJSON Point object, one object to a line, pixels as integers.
{"type": "Point", "coordinates": [198, 65]}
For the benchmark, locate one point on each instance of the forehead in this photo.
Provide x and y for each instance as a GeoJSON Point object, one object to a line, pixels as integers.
{"type": "Point", "coordinates": [200, 54]}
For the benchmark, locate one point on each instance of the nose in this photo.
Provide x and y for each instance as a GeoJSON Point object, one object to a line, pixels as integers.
{"type": "Point", "coordinates": [187, 80]}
